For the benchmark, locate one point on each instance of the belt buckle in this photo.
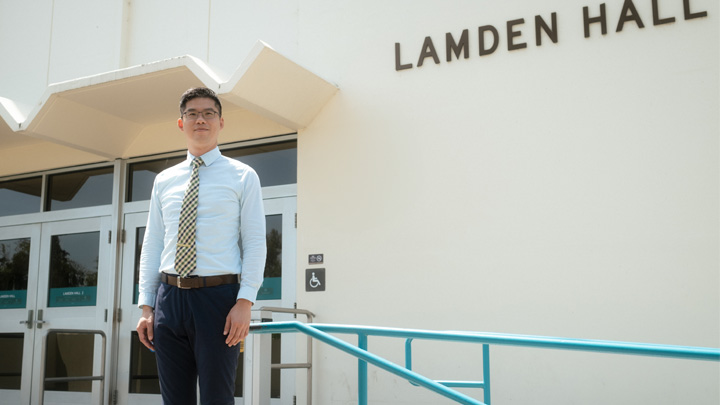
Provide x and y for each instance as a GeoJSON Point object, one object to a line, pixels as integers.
{"type": "Point", "coordinates": [179, 283]}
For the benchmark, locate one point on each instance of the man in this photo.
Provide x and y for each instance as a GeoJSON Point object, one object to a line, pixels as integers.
{"type": "Point", "coordinates": [196, 285]}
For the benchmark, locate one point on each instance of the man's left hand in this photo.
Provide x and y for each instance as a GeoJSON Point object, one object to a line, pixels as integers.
{"type": "Point", "coordinates": [237, 323]}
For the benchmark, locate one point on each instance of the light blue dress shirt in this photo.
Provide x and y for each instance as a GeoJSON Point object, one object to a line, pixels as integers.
{"type": "Point", "coordinates": [230, 208]}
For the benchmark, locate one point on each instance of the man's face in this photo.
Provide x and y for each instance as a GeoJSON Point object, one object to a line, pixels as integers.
{"type": "Point", "coordinates": [201, 124]}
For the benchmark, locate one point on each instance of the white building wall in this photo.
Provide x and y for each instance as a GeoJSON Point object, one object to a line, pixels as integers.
{"type": "Point", "coordinates": [25, 44]}
{"type": "Point", "coordinates": [567, 189]}
{"type": "Point", "coordinates": [85, 38]}
{"type": "Point", "coordinates": [219, 32]}
{"type": "Point", "coordinates": [46, 42]}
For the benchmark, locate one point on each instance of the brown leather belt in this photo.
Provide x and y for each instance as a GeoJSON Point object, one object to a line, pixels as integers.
{"type": "Point", "coordinates": [199, 282]}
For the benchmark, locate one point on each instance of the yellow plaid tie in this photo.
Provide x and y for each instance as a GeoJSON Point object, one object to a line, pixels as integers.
{"type": "Point", "coordinates": [185, 254]}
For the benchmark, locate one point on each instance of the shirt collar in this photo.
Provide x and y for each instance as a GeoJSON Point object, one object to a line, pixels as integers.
{"type": "Point", "coordinates": [208, 158]}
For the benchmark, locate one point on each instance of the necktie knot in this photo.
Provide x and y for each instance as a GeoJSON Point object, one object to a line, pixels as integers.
{"type": "Point", "coordinates": [197, 162]}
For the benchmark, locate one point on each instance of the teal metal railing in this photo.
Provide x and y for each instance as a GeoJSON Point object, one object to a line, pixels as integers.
{"type": "Point", "coordinates": [322, 332]}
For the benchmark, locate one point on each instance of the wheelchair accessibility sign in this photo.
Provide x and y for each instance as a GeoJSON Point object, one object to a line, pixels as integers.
{"type": "Point", "coordinates": [314, 279]}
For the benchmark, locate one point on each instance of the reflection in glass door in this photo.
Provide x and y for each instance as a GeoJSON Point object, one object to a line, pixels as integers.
{"type": "Point", "coordinates": [73, 272]}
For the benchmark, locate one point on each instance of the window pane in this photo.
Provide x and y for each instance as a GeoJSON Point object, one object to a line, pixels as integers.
{"type": "Point", "coordinates": [271, 288]}
{"type": "Point", "coordinates": [239, 376]}
{"type": "Point", "coordinates": [142, 175]}
{"type": "Point", "coordinates": [143, 369]}
{"type": "Point", "coordinates": [73, 269]}
{"type": "Point", "coordinates": [11, 352]}
{"type": "Point", "coordinates": [139, 236]}
{"type": "Point", "coordinates": [20, 196]}
{"type": "Point", "coordinates": [14, 266]}
{"type": "Point", "coordinates": [69, 355]}
{"type": "Point", "coordinates": [87, 188]}
{"type": "Point", "coordinates": [275, 351]}
{"type": "Point", "coordinates": [275, 164]}
{"type": "Point", "coordinates": [275, 359]}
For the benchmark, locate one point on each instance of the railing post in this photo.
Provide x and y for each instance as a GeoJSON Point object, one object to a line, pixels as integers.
{"type": "Point", "coordinates": [486, 374]}
{"type": "Point", "coordinates": [362, 371]}
{"type": "Point", "coordinates": [408, 353]}
{"type": "Point", "coordinates": [308, 364]}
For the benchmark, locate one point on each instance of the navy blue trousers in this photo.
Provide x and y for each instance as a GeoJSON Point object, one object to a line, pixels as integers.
{"type": "Point", "coordinates": [190, 345]}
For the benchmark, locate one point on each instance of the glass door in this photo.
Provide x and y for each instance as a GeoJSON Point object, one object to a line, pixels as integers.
{"type": "Point", "coordinates": [19, 253]}
{"type": "Point", "coordinates": [137, 381]}
{"type": "Point", "coordinates": [137, 371]}
{"type": "Point", "coordinates": [278, 290]}
{"type": "Point", "coordinates": [64, 304]}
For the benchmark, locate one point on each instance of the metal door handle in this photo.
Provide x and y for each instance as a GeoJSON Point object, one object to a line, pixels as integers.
{"type": "Point", "coordinates": [39, 323]}
{"type": "Point", "coordinates": [29, 321]}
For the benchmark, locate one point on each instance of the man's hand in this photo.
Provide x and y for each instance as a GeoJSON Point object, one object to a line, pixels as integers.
{"type": "Point", "coordinates": [145, 327]}
{"type": "Point", "coordinates": [237, 323]}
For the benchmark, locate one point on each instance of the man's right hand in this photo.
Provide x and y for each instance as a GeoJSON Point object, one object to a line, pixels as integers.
{"type": "Point", "coordinates": [145, 327]}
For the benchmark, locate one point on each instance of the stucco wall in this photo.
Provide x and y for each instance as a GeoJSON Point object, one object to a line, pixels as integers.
{"type": "Point", "coordinates": [569, 189]}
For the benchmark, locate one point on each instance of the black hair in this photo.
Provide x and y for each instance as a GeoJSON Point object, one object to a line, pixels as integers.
{"type": "Point", "coordinates": [199, 92]}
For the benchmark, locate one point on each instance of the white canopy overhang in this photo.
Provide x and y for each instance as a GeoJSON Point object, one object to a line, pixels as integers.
{"type": "Point", "coordinates": [132, 112]}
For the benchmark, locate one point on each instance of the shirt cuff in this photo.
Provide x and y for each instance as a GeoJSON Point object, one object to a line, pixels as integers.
{"type": "Point", "coordinates": [146, 299]}
{"type": "Point", "coordinates": [247, 294]}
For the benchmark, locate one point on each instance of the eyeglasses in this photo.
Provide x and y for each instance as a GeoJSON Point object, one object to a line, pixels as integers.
{"type": "Point", "coordinates": [194, 115]}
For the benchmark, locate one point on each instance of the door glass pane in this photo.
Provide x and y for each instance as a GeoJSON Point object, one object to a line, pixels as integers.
{"type": "Point", "coordinates": [271, 288]}
{"type": "Point", "coordinates": [275, 359]}
{"type": "Point", "coordinates": [141, 177]}
{"type": "Point", "coordinates": [69, 355]}
{"type": "Point", "coordinates": [143, 368]}
{"type": "Point", "coordinates": [11, 352]}
{"type": "Point", "coordinates": [275, 164]}
{"type": "Point", "coordinates": [14, 265]}
{"type": "Point", "coordinates": [239, 376]}
{"type": "Point", "coordinates": [139, 236]}
{"type": "Point", "coordinates": [86, 188]}
{"type": "Point", "coordinates": [73, 269]}
{"type": "Point", "coordinates": [20, 196]}
{"type": "Point", "coordinates": [274, 373]}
